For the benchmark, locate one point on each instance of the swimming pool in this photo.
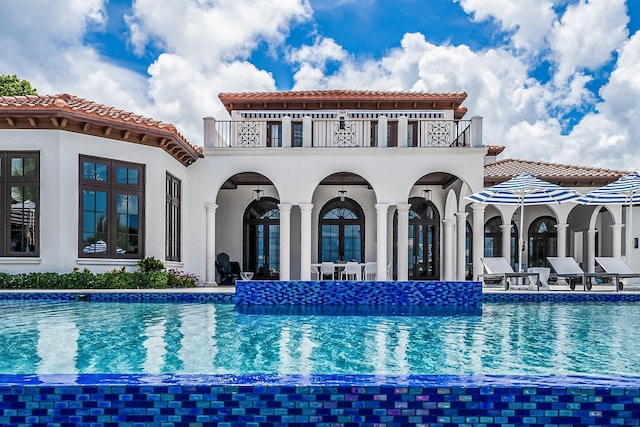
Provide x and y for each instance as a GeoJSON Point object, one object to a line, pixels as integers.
{"type": "Point", "coordinates": [151, 338]}
{"type": "Point", "coordinates": [169, 337]}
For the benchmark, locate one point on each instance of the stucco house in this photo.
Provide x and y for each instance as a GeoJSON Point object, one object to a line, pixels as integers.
{"type": "Point", "coordinates": [287, 181]}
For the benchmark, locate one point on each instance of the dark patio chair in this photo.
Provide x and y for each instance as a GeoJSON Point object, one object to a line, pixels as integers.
{"type": "Point", "coordinates": [229, 271]}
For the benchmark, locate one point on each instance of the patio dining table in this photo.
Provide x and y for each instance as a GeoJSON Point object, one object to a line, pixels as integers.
{"type": "Point", "coordinates": [339, 266]}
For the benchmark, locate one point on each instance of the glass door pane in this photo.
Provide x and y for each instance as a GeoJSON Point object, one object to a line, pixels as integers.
{"type": "Point", "coordinates": [274, 250]}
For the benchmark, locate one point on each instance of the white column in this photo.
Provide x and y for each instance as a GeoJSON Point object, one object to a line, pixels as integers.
{"type": "Point", "coordinates": [305, 241]}
{"type": "Point", "coordinates": [381, 234]}
{"type": "Point", "coordinates": [209, 132]}
{"type": "Point", "coordinates": [562, 239]}
{"type": "Point", "coordinates": [210, 245]}
{"type": "Point", "coordinates": [461, 229]}
{"type": "Point", "coordinates": [617, 240]}
{"type": "Point", "coordinates": [307, 132]}
{"type": "Point", "coordinates": [286, 131]}
{"type": "Point", "coordinates": [285, 241]}
{"type": "Point", "coordinates": [478, 239]}
{"type": "Point", "coordinates": [476, 131]}
{"type": "Point", "coordinates": [403, 126]}
{"type": "Point", "coordinates": [591, 251]}
{"type": "Point", "coordinates": [506, 241]}
{"type": "Point", "coordinates": [447, 240]}
{"type": "Point", "coordinates": [382, 131]}
{"type": "Point", "coordinates": [403, 241]}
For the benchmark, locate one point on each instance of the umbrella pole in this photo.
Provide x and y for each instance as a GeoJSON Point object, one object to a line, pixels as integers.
{"type": "Point", "coordinates": [630, 231]}
{"type": "Point", "coordinates": [521, 240]}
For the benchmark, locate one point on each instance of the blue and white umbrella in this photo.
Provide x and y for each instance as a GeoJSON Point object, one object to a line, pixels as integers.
{"type": "Point", "coordinates": [523, 190]}
{"type": "Point", "coordinates": [625, 191]}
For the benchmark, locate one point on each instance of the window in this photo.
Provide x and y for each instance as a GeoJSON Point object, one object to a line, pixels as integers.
{"type": "Point", "coordinates": [20, 208]}
{"type": "Point", "coordinates": [172, 218]}
{"type": "Point", "coordinates": [392, 134]}
{"type": "Point", "coordinates": [274, 134]}
{"type": "Point", "coordinates": [341, 231]}
{"type": "Point", "coordinates": [111, 208]}
{"type": "Point", "coordinates": [412, 134]}
{"type": "Point", "coordinates": [296, 134]}
{"type": "Point", "coordinates": [493, 240]}
{"type": "Point", "coordinates": [543, 241]}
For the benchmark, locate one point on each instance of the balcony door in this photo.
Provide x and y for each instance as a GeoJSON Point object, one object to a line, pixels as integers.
{"type": "Point", "coordinates": [262, 239]}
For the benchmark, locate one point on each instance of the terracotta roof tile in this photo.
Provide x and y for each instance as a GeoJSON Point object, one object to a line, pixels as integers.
{"type": "Point", "coordinates": [341, 94]}
{"type": "Point", "coordinates": [74, 107]}
{"type": "Point", "coordinates": [568, 175]}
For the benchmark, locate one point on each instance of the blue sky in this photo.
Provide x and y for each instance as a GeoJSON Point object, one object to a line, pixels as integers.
{"type": "Point", "coordinates": [555, 80]}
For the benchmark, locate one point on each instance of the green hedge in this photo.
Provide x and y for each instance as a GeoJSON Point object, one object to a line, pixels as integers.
{"type": "Point", "coordinates": [116, 279]}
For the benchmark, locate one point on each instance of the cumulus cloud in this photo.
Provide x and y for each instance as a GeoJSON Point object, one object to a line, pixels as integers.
{"type": "Point", "coordinates": [586, 36]}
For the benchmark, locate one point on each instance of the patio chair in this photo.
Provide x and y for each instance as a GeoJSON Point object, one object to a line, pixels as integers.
{"type": "Point", "coordinates": [543, 276]}
{"type": "Point", "coordinates": [351, 271]}
{"type": "Point", "coordinates": [370, 271]}
{"type": "Point", "coordinates": [621, 269]}
{"type": "Point", "coordinates": [229, 271]}
{"type": "Point", "coordinates": [499, 268]}
{"type": "Point", "coordinates": [327, 268]}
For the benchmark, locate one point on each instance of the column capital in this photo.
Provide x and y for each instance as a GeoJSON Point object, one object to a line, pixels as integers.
{"type": "Point", "coordinates": [382, 207]}
{"type": "Point", "coordinates": [592, 232]}
{"type": "Point", "coordinates": [285, 207]}
{"type": "Point", "coordinates": [403, 207]}
{"type": "Point", "coordinates": [306, 207]}
{"type": "Point", "coordinates": [617, 226]}
{"type": "Point", "coordinates": [448, 222]}
{"type": "Point", "coordinates": [210, 207]}
{"type": "Point", "coordinates": [461, 215]}
{"type": "Point", "coordinates": [562, 226]}
{"type": "Point", "coordinates": [506, 227]}
{"type": "Point", "coordinates": [478, 207]}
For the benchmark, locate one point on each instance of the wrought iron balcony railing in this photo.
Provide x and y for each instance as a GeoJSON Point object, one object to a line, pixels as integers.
{"type": "Point", "coordinates": [340, 133]}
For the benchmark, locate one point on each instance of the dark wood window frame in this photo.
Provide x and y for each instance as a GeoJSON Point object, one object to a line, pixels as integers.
{"type": "Point", "coordinates": [24, 233]}
{"type": "Point", "coordinates": [351, 206]}
{"type": "Point", "coordinates": [274, 134]}
{"type": "Point", "coordinates": [173, 210]}
{"type": "Point", "coordinates": [112, 189]}
{"type": "Point", "coordinates": [297, 134]}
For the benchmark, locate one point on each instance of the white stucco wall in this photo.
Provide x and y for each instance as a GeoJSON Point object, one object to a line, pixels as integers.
{"type": "Point", "coordinates": [59, 196]}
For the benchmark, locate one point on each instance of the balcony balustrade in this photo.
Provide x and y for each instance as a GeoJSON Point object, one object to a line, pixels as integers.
{"type": "Point", "coordinates": [335, 133]}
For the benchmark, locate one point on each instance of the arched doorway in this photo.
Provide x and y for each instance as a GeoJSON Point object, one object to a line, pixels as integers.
{"type": "Point", "coordinates": [493, 239]}
{"type": "Point", "coordinates": [543, 241]}
{"type": "Point", "coordinates": [341, 231]}
{"type": "Point", "coordinates": [261, 242]}
{"type": "Point", "coordinates": [424, 240]}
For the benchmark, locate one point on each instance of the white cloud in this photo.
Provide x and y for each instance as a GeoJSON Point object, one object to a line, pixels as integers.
{"type": "Point", "coordinates": [587, 35]}
{"type": "Point", "coordinates": [527, 20]}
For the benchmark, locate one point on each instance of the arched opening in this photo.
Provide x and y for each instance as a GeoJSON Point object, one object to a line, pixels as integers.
{"type": "Point", "coordinates": [493, 240]}
{"type": "Point", "coordinates": [341, 231]}
{"type": "Point", "coordinates": [543, 241]}
{"type": "Point", "coordinates": [261, 241]}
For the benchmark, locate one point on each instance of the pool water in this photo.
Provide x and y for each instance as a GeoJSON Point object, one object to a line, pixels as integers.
{"type": "Point", "coordinates": [503, 339]}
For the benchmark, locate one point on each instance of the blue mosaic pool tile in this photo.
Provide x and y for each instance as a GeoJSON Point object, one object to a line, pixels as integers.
{"type": "Point", "coordinates": [178, 297]}
{"type": "Point", "coordinates": [358, 293]}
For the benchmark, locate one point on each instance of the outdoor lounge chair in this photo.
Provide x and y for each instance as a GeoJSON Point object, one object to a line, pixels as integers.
{"type": "Point", "coordinates": [621, 269]}
{"type": "Point", "coordinates": [568, 268]}
{"type": "Point", "coordinates": [499, 268]}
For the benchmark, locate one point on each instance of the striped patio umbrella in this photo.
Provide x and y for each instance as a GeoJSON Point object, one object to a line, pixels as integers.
{"type": "Point", "coordinates": [523, 190]}
{"type": "Point", "coordinates": [625, 191]}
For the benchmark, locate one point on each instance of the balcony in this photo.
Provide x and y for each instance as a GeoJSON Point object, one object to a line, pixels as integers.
{"type": "Point", "coordinates": [336, 133]}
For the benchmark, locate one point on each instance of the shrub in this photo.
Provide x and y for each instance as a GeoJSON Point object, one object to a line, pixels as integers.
{"type": "Point", "coordinates": [149, 264]}
{"type": "Point", "coordinates": [180, 279]}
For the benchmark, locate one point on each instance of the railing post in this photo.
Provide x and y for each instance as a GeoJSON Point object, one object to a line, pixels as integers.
{"type": "Point", "coordinates": [382, 131]}
{"type": "Point", "coordinates": [403, 125]}
{"type": "Point", "coordinates": [286, 131]}
{"type": "Point", "coordinates": [476, 131]}
{"type": "Point", "coordinates": [209, 132]}
{"type": "Point", "coordinates": [307, 132]}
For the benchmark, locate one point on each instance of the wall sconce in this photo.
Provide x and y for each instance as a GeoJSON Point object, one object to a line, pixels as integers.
{"type": "Point", "coordinates": [635, 243]}
{"type": "Point", "coordinates": [342, 193]}
{"type": "Point", "coordinates": [426, 194]}
{"type": "Point", "coordinates": [341, 120]}
{"type": "Point", "coordinates": [257, 194]}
